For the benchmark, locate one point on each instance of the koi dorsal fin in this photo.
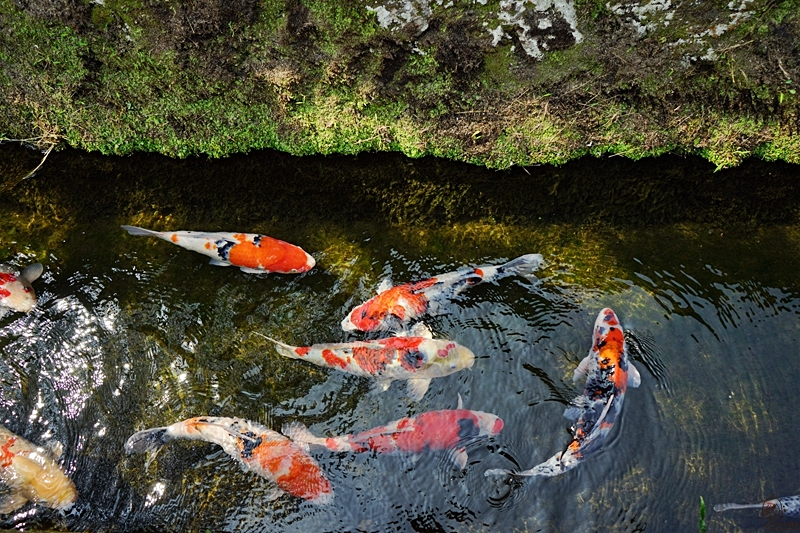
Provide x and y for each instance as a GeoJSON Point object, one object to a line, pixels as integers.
{"type": "Point", "coordinates": [32, 272]}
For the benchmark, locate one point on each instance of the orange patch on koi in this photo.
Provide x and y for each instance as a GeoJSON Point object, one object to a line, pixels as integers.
{"type": "Point", "coordinates": [332, 359]}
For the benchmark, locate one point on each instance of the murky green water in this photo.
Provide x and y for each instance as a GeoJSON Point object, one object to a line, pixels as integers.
{"type": "Point", "coordinates": [134, 332]}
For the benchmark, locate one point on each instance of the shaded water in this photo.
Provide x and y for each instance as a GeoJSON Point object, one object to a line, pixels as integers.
{"type": "Point", "coordinates": [134, 333]}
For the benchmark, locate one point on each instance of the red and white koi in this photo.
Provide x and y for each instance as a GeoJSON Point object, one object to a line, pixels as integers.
{"type": "Point", "coordinates": [393, 307]}
{"type": "Point", "coordinates": [16, 291]}
{"type": "Point", "coordinates": [788, 506]}
{"type": "Point", "coordinates": [608, 375]}
{"type": "Point", "coordinates": [259, 449]}
{"type": "Point", "coordinates": [414, 359]}
{"type": "Point", "coordinates": [32, 474]}
{"type": "Point", "coordinates": [447, 429]}
{"type": "Point", "coordinates": [251, 252]}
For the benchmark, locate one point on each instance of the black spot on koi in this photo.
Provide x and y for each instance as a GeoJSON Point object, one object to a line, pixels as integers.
{"type": "Point", "coordinates": [224, 248]}
{"type": "Point", "coordinates": [412, 359]}
{"type": "Point", "coordinates": [248, 445]}
{"type": "Point", "coordinates": [467, 430]}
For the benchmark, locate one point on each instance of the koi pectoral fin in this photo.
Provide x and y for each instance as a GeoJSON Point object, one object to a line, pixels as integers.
{"type": "Point", "coordinates": [417, 388]}
{"type": "Point", "coordinates": [381, 385]}
{"type": "Point", "coordinates": [583, 367]}
{"type": "Point", "coordinates": [11, 502]}
{"type": "Point", "coordinates": [273, 494]}
{"type": "Point", "coordinates": [459, 457]}
{"type": "Point", "coordinates": [634, 378]}
{"type": "Point", "coordinates": [217, 262]}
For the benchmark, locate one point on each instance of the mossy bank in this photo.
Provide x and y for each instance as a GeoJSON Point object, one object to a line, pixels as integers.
{"type": "Point", "coordinates": [494, 83]}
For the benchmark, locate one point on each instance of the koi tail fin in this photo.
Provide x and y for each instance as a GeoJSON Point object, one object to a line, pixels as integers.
{"type": "Point", "coordinates": [135, 230]}
{"type": "Point", "coordinates": [552, 467]}
{"type": "Point", "coordinates": [524, 265]}
{"type": "Point", "coordinates": [720, 507]}
{"type": "Point", "coordinates": [282, 348]}
{"type": "Point", "coordinates": [300, 434]}
{"type": "Point", "coordinates": [149, 440]}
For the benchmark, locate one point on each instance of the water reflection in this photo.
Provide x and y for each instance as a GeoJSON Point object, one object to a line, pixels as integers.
{"type": "Point", "coordinates": [129, 335]}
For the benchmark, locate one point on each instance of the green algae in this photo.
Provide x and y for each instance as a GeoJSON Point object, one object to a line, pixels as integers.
{"type": "Point", "coordinates": [314, 78]}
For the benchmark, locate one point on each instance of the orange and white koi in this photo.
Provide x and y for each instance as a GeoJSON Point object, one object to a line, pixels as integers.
{"type": "Point", "coordinates": [788, 506]}
{"type": "Point", "coordinates": [16, 291]}
{"type": "Point", "coordinates": [393, 307]}
{"type": "Point", "coordinates": [608, 375]}
{"type": "Point", "coordinates": [414, 359]}
{"type": "Point", "coordinates": [447, 429]}
{"type": "Point", "coordinates": [32, 474]}
{"type": "Point", "coordinates": [259, 449]}
{"type": "Point", "coordinates": [251, 252]}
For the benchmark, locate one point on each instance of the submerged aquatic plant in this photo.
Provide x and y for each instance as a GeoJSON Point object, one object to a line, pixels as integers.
{"type": "Point", "coordinates": [702, 521]}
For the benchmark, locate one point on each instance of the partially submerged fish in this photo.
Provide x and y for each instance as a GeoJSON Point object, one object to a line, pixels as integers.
{"type": "Point", "coordinates": [31, 474]}
{"type": "Point", "coordinates": [448, 429]}
{"type": "Point", "coordinates": [259, 449]}
{"type": "Point", "coordinates": [16, 291]}
{"type": "Point", "coordinates": [608, 375]}
{"type": "Point", "coordinates": [251, 252]}
{"type": "Point", "coordinates": [788, 506]}
{"type": "Point", "coordinates": [414, 359]}
{"type": "Point", "coordinates": [395, 306]}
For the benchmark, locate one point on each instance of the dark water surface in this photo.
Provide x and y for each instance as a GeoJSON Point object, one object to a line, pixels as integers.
{"type": "Point", "coordinates": [133, 333]}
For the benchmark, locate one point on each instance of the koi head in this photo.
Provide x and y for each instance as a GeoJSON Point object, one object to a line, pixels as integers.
{"type": "Point", "coordinates": [609, 345]}
{"type": "Point", "coordinates": [41, 481]}
{"type": "Point", "coordinates": [16, 292]}
{"type": "Point", "coordinates": [450, 358]}
{"type": "Point", "coordinates": [488, 424]}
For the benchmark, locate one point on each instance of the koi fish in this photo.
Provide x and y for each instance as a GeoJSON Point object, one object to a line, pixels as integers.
{"type": "Point", "coordinates": [788, 506]}
{"type": "Point", "coordinates": [414, 359]}
{"type": "Point", "coordinates": [31, 474]}
{"type": "Point", "coordinates": [251, 252]}
{"type": "Point", "coordinates": [16, 291]}
{"type": "Point", "coordinates": [395, 306]}
{"type": "Point", "coordinates": [608, 375]}
{"type": "Point", "coordinates": [259, 449]}
{"type": "Point", "coordinates": [448, 429]}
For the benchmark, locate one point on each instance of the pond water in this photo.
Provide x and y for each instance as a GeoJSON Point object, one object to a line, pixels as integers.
{"type": "Point", "coordinates": [133, 332]}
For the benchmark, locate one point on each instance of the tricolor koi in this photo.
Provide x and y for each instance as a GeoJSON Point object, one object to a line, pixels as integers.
{"type": "Point", "coordinates": [396, 306]}
{"type": "Point", "coordinates": [31, 474]}
{"type": "Point", "coordinates": [608, 375]}
{"type": "Point", "coordinates": [450, 430]}
{"type": "Point", "coordinates": [788, 506]}
{"type": "Point", "coordinates": [251, 252]}
{"type": "Point", "coordinates": [259, 449]}
{"type": "Point", "coordinates": [414, 359]}
{"type": "Point", "coordinates": [16, 291]}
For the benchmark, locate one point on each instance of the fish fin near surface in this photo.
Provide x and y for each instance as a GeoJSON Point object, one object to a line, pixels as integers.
{"type": "Point", "coordinates": [218, 262]}
{"type": "Point", "coordinates": [11, 502]}
{"type": "Point", "coordinates": [576, 407]}
{"type": "Point", "coordinates": [634, 378]}
{"type": "Point", "coordinates": [136, 230]}
{"type": "Point", "coordinates": [300, 434]}
{"type": "Point", "coordinates": [720, 507]}
{"type": "Point", "coordinates": [381, 385]}
{"type": "Point", "coordinates": [248, 270]}
{"type": "Point", "coordinates": [281, 347]}
{"type": "Point", "coordinates": [54, 448]}
{"type": "Point", "coordinates": [583, 367]}
{"type": "Point", "coordinates": [460, 402]}
{"type": "Point", "coordinates": [384, 285]}
{"type": "Point", "coordinates": [459, 457]}
{"type": "Point", "coordinates": [524, 265]}
{"type": "Point", "coordinates": [417, 388]}
{"type": "Point", "coordinates": [148, 440]}
{"type": "Point", "coordinates": [273, 494]}
{"type": "Point", "coordinates": [420, 329]}
{"type": "Point", "coordinates": [32, 272]}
